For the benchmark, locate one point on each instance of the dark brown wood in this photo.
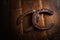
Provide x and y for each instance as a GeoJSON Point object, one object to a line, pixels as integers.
{"type": "Point", "coordinates": [34, 34]}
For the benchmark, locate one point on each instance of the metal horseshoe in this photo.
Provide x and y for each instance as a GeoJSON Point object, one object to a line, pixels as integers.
{"type": "Point", "coordinates": [35, 18]}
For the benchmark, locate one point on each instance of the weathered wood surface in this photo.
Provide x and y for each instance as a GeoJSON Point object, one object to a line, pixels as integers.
{"type": "Point", "coordinates": [35, 34]}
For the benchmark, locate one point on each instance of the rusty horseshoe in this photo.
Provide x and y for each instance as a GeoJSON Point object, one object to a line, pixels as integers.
{"type": "Point", "coordinates": [35, 17]}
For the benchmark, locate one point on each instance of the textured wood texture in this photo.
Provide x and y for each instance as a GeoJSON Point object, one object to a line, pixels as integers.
{"type": "Point", "coordinates": [27, 5]}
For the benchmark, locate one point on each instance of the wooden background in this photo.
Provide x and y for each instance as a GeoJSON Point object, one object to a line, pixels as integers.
{"type": "Point", "coordinates": [11, 10]}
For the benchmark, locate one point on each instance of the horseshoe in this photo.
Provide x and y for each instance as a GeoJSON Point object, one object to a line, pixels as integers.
{"type": "Point", "coordinates": [35, 18]}
{"type": "Point", "coordinates": [22, 16]}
